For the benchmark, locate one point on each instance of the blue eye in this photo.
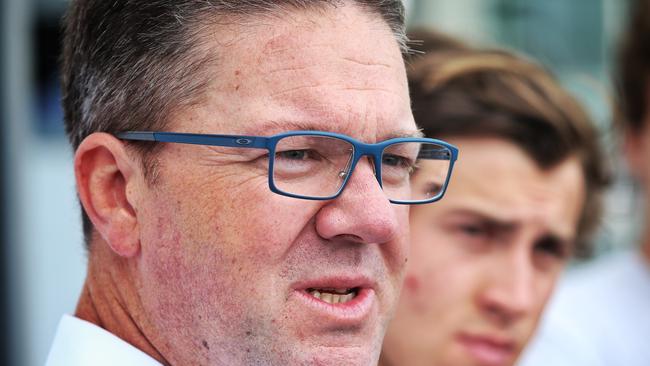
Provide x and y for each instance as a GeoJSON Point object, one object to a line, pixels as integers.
{"type": "Point", "coordinates": [298, 155]}
{"type": "Point", "coordinates": [292, 154]}
{"type": "Point", "coordinates": [396, 161]}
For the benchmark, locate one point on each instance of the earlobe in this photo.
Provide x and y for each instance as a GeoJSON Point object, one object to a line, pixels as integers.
{"type": "Point", "coordinates": [104, 172]}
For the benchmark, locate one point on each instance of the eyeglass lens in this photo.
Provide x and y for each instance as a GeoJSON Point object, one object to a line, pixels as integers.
{"type": "Point", "coordinates": [317, 166]}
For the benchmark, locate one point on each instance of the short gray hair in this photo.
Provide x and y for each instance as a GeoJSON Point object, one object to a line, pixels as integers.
{"type": "Point", "coordinates": [127, 64]}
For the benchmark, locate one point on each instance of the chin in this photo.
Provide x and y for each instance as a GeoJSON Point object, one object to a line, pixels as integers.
{"type": "Point", "coordinates": [353, 356]}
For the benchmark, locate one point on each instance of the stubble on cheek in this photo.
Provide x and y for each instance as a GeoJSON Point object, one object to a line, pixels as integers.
{"type": "Point", "coordinates": [202, 294]}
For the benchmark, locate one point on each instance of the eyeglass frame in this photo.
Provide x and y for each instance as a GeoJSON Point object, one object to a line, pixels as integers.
{"type": "Point", "coordinates": [269, 143]}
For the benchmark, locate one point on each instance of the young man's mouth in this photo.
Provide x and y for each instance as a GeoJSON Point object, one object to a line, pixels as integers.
{"type": "Point", "coordinates": [489, 350]}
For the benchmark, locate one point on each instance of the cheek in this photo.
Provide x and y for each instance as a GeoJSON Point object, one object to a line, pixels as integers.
{"type": "Point", "coordinates": [421, 287]}
{"type": "Point", "coordinates": [545, 286]}
{"type": "Point", "coordinates": [412, 285]}
{"type": "Point", "coordinates": [439, 275]}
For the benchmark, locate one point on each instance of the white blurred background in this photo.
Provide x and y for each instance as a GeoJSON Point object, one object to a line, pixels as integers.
{"type": "Point", "coordinates": [42, 249]}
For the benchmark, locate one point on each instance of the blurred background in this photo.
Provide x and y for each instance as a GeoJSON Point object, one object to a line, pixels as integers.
{"type": "Point", "coordinates": [43, 261]}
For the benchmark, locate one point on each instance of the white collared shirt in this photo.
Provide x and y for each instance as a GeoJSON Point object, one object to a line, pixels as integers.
{"type": "Point", "coordinates": [81, 343]}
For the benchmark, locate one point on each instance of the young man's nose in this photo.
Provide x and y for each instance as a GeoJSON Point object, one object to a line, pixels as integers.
{"type": "Point", "coordinates": [508, 293]}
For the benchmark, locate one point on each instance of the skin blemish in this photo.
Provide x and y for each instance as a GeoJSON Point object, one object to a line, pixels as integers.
{"type": "Point", "coordinates": [411, 283]}
{"type": "Point", "coordinates": [205, 344]}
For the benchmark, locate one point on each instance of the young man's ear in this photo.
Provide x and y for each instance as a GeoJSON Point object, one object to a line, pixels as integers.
{"type": "Point", "coordinates": [104, 170]}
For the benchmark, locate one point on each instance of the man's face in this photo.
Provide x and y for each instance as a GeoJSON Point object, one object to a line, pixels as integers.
{"type": "Point", "coordinates": [484, 260]}
{"type": "Point", "coordinates": [227, 267]}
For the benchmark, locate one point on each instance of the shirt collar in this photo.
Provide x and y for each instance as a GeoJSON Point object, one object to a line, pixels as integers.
{"type": "Point", "coordinates": [80, 343]}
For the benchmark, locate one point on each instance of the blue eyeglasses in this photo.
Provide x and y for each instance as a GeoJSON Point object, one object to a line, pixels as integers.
{"type": "Point", "coordinates": [316, 165]}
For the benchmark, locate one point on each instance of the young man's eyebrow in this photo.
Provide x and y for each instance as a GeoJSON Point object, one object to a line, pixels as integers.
{"type": "Point", "coordinates": [484, 217]}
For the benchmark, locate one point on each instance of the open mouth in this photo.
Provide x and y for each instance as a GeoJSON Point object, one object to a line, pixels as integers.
{"type": "Point", "coordinates": [342, 301]}
{"type": "Point", "coordinates": [334, 295]}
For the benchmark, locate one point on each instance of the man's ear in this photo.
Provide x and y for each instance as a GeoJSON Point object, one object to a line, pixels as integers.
{"type": "Point", "coordinates": [105, 172]}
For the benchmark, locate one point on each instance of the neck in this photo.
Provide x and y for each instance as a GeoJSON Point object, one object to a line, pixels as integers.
{"type": "Point", "coordinates": [107, 300]}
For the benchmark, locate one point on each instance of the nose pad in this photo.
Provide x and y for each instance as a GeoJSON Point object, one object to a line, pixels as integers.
{"type": "Point", "coordinates": [343, 174]}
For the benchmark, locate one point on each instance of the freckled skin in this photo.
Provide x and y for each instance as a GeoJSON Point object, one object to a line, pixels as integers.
{"type": "Point", "coordinates": [219, 251]}
{"type": "Point", "coordinates": [463, 280]}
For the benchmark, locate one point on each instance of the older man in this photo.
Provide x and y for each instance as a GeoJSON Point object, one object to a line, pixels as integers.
{"type": "Point", "coordinates": [244, 169]}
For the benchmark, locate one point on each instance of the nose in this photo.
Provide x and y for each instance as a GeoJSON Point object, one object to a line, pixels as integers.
{"type": "Point", "coordinates": [508, 294]}
{"type": "Point", "coordinates": [362, 213]}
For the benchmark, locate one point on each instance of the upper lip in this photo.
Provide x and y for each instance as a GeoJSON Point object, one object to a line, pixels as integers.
{"type": "Point", "coordinates": [335, 281]}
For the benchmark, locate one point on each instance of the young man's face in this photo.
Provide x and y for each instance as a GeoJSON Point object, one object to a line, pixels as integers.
{"type": "Point", "coordinates": [484, 260]}
{"type": "Point", "coordinates": [227, 265]}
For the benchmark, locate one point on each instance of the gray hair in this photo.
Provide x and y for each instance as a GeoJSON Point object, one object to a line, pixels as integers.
{"type": "Point", "coordinates": [127, 64]}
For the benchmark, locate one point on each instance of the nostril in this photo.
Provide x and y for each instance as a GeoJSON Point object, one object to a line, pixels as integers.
{"type": "Point", "coordinates": [351, 238]}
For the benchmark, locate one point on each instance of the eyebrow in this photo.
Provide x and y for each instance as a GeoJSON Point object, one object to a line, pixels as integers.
{"type": "Point", "coordinates": [406, 133]}
{"type": "Point", "coordinates": [279, 126]}
{"type": "Point", "coordinates": [502, 224]}
{"type": "Point", "coordinates": [510, 225]}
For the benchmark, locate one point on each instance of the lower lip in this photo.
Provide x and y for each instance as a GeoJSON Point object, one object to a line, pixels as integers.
{"type": "Point", "coordinates": [486, 353]}
{"type": "Point", "coordinates": [351, 313]}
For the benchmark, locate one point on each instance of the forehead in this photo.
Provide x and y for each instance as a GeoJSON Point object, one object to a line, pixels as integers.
{"type": "Point", "coordinates": [495, 179]}
{"type": "Point", "coordinates": [334, 69]}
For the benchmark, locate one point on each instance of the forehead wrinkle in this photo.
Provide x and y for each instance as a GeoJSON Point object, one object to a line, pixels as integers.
{"type": "Point", "coordinates": [270, 51]}
{"type": "Point", "coordinates": [311, 86]}
{"type": "Point", "coordinates": [299, 76]}
{"type": "Point", "coordinates": [366, 63]}
{"type": "Point", "coordinates": [314, 67]}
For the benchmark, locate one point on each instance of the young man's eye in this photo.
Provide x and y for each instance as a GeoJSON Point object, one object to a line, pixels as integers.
{"type": "Point", "coordinates": [551, 246]}
{"type": "Point", "coordinates": [473, 230]}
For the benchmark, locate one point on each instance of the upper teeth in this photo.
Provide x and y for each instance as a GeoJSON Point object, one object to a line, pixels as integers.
{"type": "Point", "coordinates": [333, 296]}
